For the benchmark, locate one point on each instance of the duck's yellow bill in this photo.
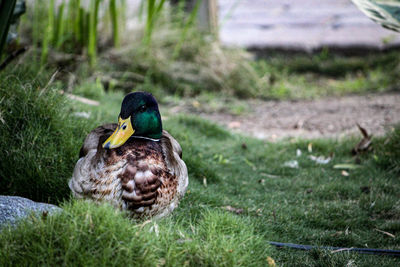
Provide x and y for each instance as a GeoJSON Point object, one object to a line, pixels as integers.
{"type": "Point", "coordinates": [121, 134]}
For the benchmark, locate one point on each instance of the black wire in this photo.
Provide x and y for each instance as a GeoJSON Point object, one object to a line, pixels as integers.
{"type": "Point", "coordinates": [373, 251]}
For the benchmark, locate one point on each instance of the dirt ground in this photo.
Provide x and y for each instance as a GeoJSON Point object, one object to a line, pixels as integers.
{"type": "Point", "coordinates": [330, 117]}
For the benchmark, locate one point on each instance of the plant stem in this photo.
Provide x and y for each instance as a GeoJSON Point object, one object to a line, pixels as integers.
{"type": "Point", "coordinates": [48, 33]}
{"type": "Point", "coordinates": [93, 13]}
{"type": "Point", "coordinates": [114, 22]}
{"type": "Point", "coordinates": [59, 27]}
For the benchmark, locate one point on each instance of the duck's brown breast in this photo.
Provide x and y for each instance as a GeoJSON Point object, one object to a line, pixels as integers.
{"type": "Point", "coordinates": [147, 186]}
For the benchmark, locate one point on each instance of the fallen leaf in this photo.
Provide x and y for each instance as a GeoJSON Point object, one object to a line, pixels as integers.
{"type": "Point", "coordinates": [294, 164]}
{"type": "Point", "coordinates": [365, 142]}
{"type": "Point", "coordinates": [182, 241]}
{"type": "Point", "coordinates": [344, 173]}
{"type": "Point", "coordinates": [347, 166]}
{"type": "Point", "coordinates": [196, 104]}
{"type": "Point", "coordinates": [205, 181]}
{"type": "Point", "coordinates": [309, 147]}
{"type": "Point", "coordinates": [251, 164]}
{"type": "Point", "coordinates": [299, 124]}
{"type": "Point", "coordinates": [270, 175]}
{"type": "Point", "coordinates": [337, 233]}
{"type": "Point", "coordinates": [320, 159]}
{"type": "Point", "coordinates": [234, 124]}
{"type": "Point", "coordinates": [85, 115]}
{"type": "Point", "coordinates": [271, 262]}
{"type": "Point", "coordinates": [232, 209]}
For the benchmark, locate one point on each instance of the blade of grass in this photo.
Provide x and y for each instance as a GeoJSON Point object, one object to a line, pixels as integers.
{"type": "Point", "coordinates": [59, 27]}
{"type": "Point", "coordinates": [48, 33]}
{"type": "Point", "coordinates": [93, 17]}
{"type": "Point", "coordinates": [76, 10]}
{"type": "Point", "coordinates": [149, 21]}
{"type": "Point", "coordinates": [36, 25]}
{"type": "Point", "coordinates": [122, 15]}
{"type": "Point", "coordinates": [153, 11]}
{"type": "Point", "coordinates": [114, 22]}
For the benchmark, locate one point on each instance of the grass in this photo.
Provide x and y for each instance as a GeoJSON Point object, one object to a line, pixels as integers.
{"type": "Point", "coordinates": [86, 234]}
{"type": "Point", "coordinates": [70, 27]}
{"type": "Point", "coordinates": [388, 155]}
{"type": "Point", "coordinates": [314, 204]}
{"type": "Point", "coordinates": [204, 71]}
{"type": "Point", "coordinates": [327, 74]}
{"type": "Point", "coordinates": [35, 122]}
{"type": "Point", "coordinates": [169, 56]}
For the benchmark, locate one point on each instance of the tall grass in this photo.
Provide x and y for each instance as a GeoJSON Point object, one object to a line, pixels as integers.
{"type": "Point", "coordinates": [154, 9]}
{"type": "Point", "coordinates": [114, 19]}
{"type": "Point", "coordinates": [59, 27]}
{"type": "Point", "coordinates": [72, 28]}
{"type": "Point", "coordinates": [93, 21]}
{"type": "Point", "coordinates": [186, 27]}
{"type": "Point", "coordinates": [48, 32]}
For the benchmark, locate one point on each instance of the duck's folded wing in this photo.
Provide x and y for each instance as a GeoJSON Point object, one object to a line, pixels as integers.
{"type": "Point", "coordinates": [96, 137]}
{"type": "Point", "coordinates": [173, 157]}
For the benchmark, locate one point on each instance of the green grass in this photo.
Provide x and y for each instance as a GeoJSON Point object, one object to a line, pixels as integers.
{"type": "Point", "coordinates": [302, 76]}
{"type": "Point", "coordinates": [314, 204]}
{"type": "Point", "coordinates": [40, 137]}
{"type": "Point", "coordinates": [169, 56]}
{"type": "Point", "coordinates": [86, 234]}
{"type": "Point", "coordinates": [204, 70]}
{"type": "Point", "coordinates": [388, 154]}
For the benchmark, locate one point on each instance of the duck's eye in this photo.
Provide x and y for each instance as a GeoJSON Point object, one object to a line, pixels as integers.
{"type": "Point", "coordinates": [124, 127]}
{"type": "Point", "coordinates": [142, 108]}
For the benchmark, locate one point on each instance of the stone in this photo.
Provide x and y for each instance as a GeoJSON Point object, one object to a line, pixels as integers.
{"type": "Point", "coordinates": [13, 208]}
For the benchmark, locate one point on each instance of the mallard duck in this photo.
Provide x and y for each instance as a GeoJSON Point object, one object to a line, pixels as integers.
{"type": "Point", "coordinates": [135, 164]}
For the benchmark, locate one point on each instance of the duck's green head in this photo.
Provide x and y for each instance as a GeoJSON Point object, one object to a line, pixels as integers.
{"type": "Point", "coordinates": [139, 117]}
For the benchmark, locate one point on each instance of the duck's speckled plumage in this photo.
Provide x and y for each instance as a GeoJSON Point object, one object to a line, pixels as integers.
{"type": "Point", "coordinates": [143, 176]}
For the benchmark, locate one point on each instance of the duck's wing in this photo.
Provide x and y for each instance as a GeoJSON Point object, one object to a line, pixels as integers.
{"type": "Point", "coordinates": [80, 183]}
{"type": "Point", "coordinates": [173, 157]}
{"type": "Point", "coordinates": [96, 137]}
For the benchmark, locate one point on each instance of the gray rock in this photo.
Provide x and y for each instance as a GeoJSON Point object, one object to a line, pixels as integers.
{"type": "Point", "coordinates": [13, 208]}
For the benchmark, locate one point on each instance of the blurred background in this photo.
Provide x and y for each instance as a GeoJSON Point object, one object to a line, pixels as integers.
{"type": "Point", "coordinates": [206, 57]}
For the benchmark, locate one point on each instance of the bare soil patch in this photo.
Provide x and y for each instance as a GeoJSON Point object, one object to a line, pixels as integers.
{"type": "Point", "coordinates": [329, 117]}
